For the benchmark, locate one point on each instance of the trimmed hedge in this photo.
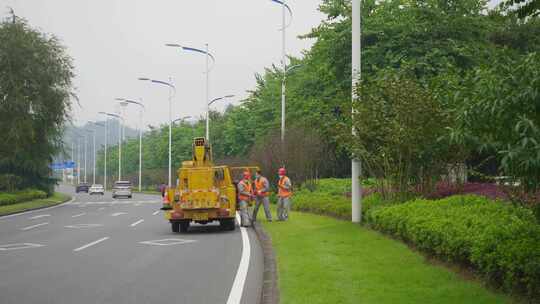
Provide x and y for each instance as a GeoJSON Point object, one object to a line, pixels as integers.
{"type": "Point", "coordinates": [330, 198]}
{"type": "Point", "coordinates": [21, 196]}
{"type": "Point", "coordinates": [499, 240]}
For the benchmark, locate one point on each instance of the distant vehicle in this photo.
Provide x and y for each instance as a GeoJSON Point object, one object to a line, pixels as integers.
{"type": "Point", "coordinates": [96, 189]}
{"type": "Point", "coordinates": [122, 188]}
{"type": "Point", "coordinates": [82, 187]}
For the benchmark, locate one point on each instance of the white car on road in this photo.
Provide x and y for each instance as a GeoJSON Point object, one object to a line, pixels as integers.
{"type": "Point", "coordinates": [96, 189]}
{"type": "Point", "coordinates": [122, 188]}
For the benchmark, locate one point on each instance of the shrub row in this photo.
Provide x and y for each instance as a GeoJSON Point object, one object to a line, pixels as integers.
{"type": "Point", "coordinates": [330, 197]}
{"type": "Point", "coordinates": [499, 240]}
{"type": "Point", "coordinates": [21, 196]}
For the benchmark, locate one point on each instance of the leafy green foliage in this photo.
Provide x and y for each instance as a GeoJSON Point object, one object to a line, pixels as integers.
{"type": "Point", "coordinates": [35, 92]}
{"type": "Point", "coordinates": [501, 241]}
{"type": "Point", "coordinates": [499, 110]}
{"type": "Point", "coordinates": [524, 8]}
{"type": "Point", "coordinates": [21, 196]}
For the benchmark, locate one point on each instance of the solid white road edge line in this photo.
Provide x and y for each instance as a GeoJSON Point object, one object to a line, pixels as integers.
{"type": "Point", "coordinates": [91, 244]}
{"type": "Point", "coordinates": [241, 274]}
{"type": "Point", "coordinates": [155, 213]}
{"type": "Point", "coordinates": [80, 214]}
{"type": "Point", "coordinates": [37, 210]}
{"type": "Point", "coordinates": [136, 223]}
{"type": "Point", "coordinates": [33, 226]}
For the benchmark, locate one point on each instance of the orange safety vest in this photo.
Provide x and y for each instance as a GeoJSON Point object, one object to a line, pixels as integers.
{"type": "Point", "coordinates": [259, 185]}
{"type": "Point", "coordinates": [282, 191]}
{"type": "Point", "coordinates": [247, 188]}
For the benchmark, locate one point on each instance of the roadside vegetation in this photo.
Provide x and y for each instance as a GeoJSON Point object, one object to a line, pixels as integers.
{"type": "Point", "coordinates": [35, 99]}
{"type": "Point", "coordinates": [324, 260]}
{"type": "Point", "coordinates": [36, 203]}
{"type": "Point", "coordinates": [497, 240]}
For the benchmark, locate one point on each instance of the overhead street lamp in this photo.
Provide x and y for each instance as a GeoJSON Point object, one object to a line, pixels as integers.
{"type": "Point", "coordinates": [208, 116]}
{"type": "Point", "coordinates": [119, 141]}
{"type": "Point", "coordinates": [181, 119]}
{"type": "Point", "coordinates": [208, 69]}
{"type": "Point", "coordinates": [101, 125]}
{"type": "Point", "coordinates": [172, 92]}
{"type": "Point", "coordinates": [128, 101]}
{"type": "Point", "coordinates": [105, 153]}
{"type": "Point", "coordinates": [284, 26]}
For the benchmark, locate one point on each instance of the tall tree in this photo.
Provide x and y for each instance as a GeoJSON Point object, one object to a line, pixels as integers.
{"type": "Point", "coordinates": [35, 91]}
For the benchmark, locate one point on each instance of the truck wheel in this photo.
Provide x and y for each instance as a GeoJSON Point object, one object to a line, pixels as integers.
{"type": "Point", "coordinates": [175, 227]}
{"type": "Point", "coordinates": [184, 226]}
{"type": "Point", "coordinates": [228, 224]}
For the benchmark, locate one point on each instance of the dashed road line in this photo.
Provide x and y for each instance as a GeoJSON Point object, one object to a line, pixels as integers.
{"type": "Point", "coordinates": [136, 223]}
{"type": "Point", "coordinates": [101, 208]}
{"type": "Point", "coordinates": [91, 244]}
{"type": "Point", "coordinates": [19, 246]}
{"type": "Point", "coordinates": [34, 226]}
{"type": "Point", "coordinates": [80, 214]}
{"type": "Point", "coordinates": [155, 213]}
{"type": "Point", "coordinates": [118, 213]}
{"type": "Point", "coordinates": [39, 216]}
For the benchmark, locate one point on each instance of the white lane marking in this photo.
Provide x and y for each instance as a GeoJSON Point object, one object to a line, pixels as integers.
{"type": "Point", "coordinates": [136, 223]}
{"type": "Point", "coordinates": [79, 226]}
{"type": "Point", "coordinates": [34, 226]}
{"type": "Point", "coordinates": [39, 210]}
{"type": "Point", "coordinates": [235, 296]}
{"type": "Point", "coordinates": [137, 204]}
{"type": "Point", "coordinates": [118, 213]}
{"type": "Point", "coordinates": [155, 213]}
{"type": "Point", "coordinates": [39, 216]}
{"type": "Point", "coordinates": [167, 242]}
{"type": "Point", "coordinates": [19, 246]}
{"type": "Point", "coordinates": [101, 208]}
{"type": "Point", "coordinates": [80, 214]}
{"type": "Point", "coordinates": [91, 244]}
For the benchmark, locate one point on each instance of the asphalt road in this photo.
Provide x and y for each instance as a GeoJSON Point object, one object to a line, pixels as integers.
{"type": "Point", "coordinates": [99, 250]}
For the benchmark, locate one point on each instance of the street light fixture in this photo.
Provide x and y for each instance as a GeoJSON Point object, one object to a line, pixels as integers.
{"type": "Point", "coordinates": [284, 26]}
{"type": "Point", "coordinates": [94, 144]}
{"type": "Point", "coordinates": [173, 90]}
{"type": "Point", "coordinates": [208, 56]}
{"type": "Point", "coordinates": [105, 153]}
{"type": "Point", "coordinates": [128, 101]}
{"type": "Point", "coordinates": [119, 142]}
{"type": "Point", "coordinates": [181, 119]}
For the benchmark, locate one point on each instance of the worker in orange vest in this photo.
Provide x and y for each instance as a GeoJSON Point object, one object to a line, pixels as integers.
{"type": "Point", "coordinates": [245, 195]}
{"type": "Point", "coordinates": [262, 191]}
{"type": "Point", "coordinates": [284, 195]}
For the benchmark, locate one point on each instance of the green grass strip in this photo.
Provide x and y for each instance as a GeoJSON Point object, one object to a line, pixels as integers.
{"type": "Point", "coordinates": [324, 260]}
{"type": "Point", "coordinates": [57, 198]}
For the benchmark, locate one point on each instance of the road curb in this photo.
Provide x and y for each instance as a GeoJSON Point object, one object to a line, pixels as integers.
{"type": "Point", "coordinates": [69, 199]}
{"type": "Point", "coordinates": [270, 288]}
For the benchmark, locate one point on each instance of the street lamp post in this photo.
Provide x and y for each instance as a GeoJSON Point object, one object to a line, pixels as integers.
{"type": "Point", "coordinates": [128, 101]}
{"type": "Point", "coordinates": [120, 118]}
{"type": "Point", "coordinates": [208, 56]}
{"type": "Point", "coordinates": [95, 125]}
{"type": "Point", "coordinates": [284, 26]}
{"type": "Point", "coordinates": [181, 119]}
{"type": "Point", "coordinates": [105, 151]}
{"type": "Point", "coordinates": [94, 142]}
{"type": "Point", "coordinates": [208, 115]}
{"type": "Point", "coordinates": [171, 91]}
{"type": "Point", "coordinates": [356, 73]}
{"type": "Point", "coordinates": [85, 150]}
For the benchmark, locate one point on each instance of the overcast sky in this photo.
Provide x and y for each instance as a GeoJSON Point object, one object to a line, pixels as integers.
{"type": "Point", "coordinates": [113, 42]}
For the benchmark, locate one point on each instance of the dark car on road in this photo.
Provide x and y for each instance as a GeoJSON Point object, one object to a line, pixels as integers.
{"type": "Point", "coordinates": [82, 187]}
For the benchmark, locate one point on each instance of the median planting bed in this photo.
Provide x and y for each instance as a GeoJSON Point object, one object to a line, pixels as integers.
{"type": "Point", "coordinates": [496, 240]}
{"type": "Point", "coordinates": [55, 199]}
{"type": "Point", "coordinates": [8, 198]}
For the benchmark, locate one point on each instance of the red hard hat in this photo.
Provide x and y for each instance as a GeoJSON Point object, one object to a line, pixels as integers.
{"type": "Point", "coordinates": [282, 171]}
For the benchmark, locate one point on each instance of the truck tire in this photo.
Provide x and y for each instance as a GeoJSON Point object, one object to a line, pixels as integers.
{"type": "Point", "coordinates": [175, 227]}
{"type": "Point", "coordinates": [184, 226]}
{"type": "Point", "coordinates": [227, 224]}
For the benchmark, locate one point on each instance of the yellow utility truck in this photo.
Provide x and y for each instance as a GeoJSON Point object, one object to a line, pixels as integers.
{"type": "Point", "coordinates": [205, 193]}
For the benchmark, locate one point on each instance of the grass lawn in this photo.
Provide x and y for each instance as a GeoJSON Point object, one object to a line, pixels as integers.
{"type": "Point", "coordinates": [324, 260]}
{"type": "Point", "coordinates": [57, 198]}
